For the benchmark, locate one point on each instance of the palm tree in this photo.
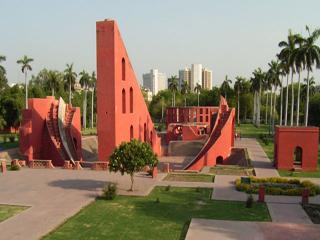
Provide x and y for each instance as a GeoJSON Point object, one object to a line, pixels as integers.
{"type": "Point", "coordinates": [273, 77]}
{"type": "Point", "coordinates": [238, 87]}
{"type": "Point", "coordinates": [70, 78]}
{"type": "Point", "coordinates": [185, 89]}
{"type": "Point", "coordinates": [92, 85]}
{"type": "Point", "coordinates": [286, 54]}
{"type": "Point", "coordinates": [311, 57]}
{"type": "Point", "coordinates": [25, 67]}
{"type": "Point", "coordinates": [84, 81]}
{"type": "Point", "coordinates": [2, 69]}
{"type": "Point", "coordinates": [225, 86]}
{"type": "Point", "coordinates": [3, 79]}
{"type": "Point", "coordinates": [256, 87]}
{"type": "Point", "coordinates": [197, 89]}
{"type": "Point", "coordinates": [173, 86]}
{"type": "Point", "coordinates": [312, 88]}
{"type": "Point", "coordinates": [53, 78]}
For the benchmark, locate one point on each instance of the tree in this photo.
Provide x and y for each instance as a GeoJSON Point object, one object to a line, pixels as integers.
{"type": "Point", "coordinates": [131, 157]}
{"type": "Point", "coordinates": [286, 54]}
{"type": "Point", "coordinates": [197, 89]}
{"type": "Point", "coordinates": [3, 78]}
{"type": "Point", "coordinates": [225, 86]}
{"type": "Point", "coordinates": [256, 86]}
{"type": "Point", "coordinates": [84, 81]}
{"type": "Point", "coordinates": [173, 86]}
{"type": "Point", "coordinates": [311, 57]}
{"type": "Point", "coordinates": [53, 79]}
{"type": "Point", "coordinates": [25, 67]}
{"type": "Point", "coordinates": [185, 89]}
{"type": "Point", "coordinates": [70, 78]}
{"type": "Point", "coordinates": [92, 85]}
{"type": "Point", "coordinates": [238, 87]}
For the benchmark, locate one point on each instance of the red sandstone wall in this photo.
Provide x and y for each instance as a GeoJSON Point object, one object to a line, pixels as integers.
{"type": "Point", "coordinates": [288, 138]}
{"type": "Point", "coordinates": [114, 77]}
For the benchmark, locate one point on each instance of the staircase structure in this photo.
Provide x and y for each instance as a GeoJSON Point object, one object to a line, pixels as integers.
{"type": "Point", "coordinates": [51, 131]}
{"type": "Point", "coordinates": [220, 141]}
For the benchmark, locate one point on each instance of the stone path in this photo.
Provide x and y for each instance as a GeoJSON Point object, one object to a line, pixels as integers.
{"type": "Point", "coordinates": [262, 165]}
{"type": "Point", "coordinates": [54, 195]}
{"type": "Point", "coordinates": [206, 229]}
{"type": "Point", "coordinates": [288, 213]}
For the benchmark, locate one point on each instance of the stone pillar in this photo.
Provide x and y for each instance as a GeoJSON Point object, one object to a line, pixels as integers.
{"type": "Point", "coordinates": [67, 164]}
{"type": "Point", "coordinates": [262, 193]}
{"type": "Point", "coordinates": [77, 165]}
{"type": "Point", "coordinates": [154, 172]}
{"type": "Point", "coordinates": [305, 196]}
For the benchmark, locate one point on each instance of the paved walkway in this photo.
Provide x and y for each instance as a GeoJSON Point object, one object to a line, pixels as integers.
{"type": "Point", "coordinates": [54, 195]}
{"type": "Point", "coordinates": [206, 229]}
{"type": "Point", "coordinates": [262, 165]}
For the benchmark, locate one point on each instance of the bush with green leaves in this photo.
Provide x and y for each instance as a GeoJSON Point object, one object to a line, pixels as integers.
{"type": "Point", "coordinates": [14, 168]}
{"type": "Point", "coordinates": [277, 186]}
{"type": "Point", "coordinates": [131, 157]}
{"type": "Point", "coordinates": [110, 191]}
{"type": "Point", "coordinates": [250, 201]}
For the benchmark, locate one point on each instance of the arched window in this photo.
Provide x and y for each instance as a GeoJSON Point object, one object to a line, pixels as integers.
{"type": "Point", "coordinates": [151, 143]}
{"type": "Point", "coordinates": [123, 101]}
{"type": "Point", "coordinates": [123, 69]}
{"type": "Point", "coordinates": [297, 157]}
{"type": "Point", "coordinates": [131, 132]}
{"type": "Point", "coordinates": [131, 100]}
{"type": "Point", "coordinates": [144, 132]}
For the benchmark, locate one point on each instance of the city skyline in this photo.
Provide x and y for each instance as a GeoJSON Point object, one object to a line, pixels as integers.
{"type": "Point", "coordinates": [232, 38]}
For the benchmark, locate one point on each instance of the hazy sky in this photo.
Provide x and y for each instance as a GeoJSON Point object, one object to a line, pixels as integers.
{"type": "Point", "coordinates": [229, 37]}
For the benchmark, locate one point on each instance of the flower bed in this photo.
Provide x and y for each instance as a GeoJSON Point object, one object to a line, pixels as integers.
{"type": "Point", "coordinates": [277, 186]}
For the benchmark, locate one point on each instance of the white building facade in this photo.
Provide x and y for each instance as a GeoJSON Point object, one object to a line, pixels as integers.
{"type": "Point", "coordinates": [155, 81]}
{"type": "Point", "coordinates": [196, 75]}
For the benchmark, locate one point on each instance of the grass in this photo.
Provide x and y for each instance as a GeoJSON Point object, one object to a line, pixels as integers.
{"type": "Point", "coordinates": [249, 130]}
{"type": "Point", "coordinates": [89, 131]}
{"type": "Point", "coordinates": [7, 211]}
{"type": "Point", "coordinates": [313, 211]}
{"type": "Point", "coordinates": [145, 218]}
{"type": "Point", "coordinates": [5, 142]}
{"type": "Point", "coordinates": [189, 177]}
{"type": "Point", "coordinates": [232, 170]}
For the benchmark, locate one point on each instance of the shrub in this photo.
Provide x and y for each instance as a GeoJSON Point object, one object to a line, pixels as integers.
{"type": "Point", "coordinates": [249, 202]}
{"type": "Point", "coordinates": [168, 188]}
{"type": "Point", "coordinates": [157, 200]}
{"type": "Point", "coordinates": [277, 186]}
{"type": "Point", "coordinates": [12, 138]}
{"type": "Point", "coordinates": [110, 191]}
{"type": "Point", "coordinates": [14, 168]}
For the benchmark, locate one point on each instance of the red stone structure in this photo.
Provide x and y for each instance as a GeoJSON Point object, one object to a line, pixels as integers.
{"type": "Point", "coordinates": [122, 112]}
{"type": "Point", "coordinates": [50, 133]}
{"type": "Point", "coordinates": [296, 148]}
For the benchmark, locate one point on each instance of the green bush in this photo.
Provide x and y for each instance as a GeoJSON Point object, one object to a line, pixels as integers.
{"type": "Point", "coordinates": [277, 186]}
{"type": "Point", "coordinates": [12, 138]}
{"type": "Point", "coordinates": [110, 191]}
{"type": "Point", "coordinates": [14, 168]}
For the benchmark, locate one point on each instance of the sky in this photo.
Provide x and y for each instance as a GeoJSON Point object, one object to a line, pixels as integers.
{"type": "Point", "coordinates": [230, 37]}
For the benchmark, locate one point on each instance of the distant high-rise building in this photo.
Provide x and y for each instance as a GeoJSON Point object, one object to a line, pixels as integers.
{"type": "Point", "coordinates": [155, 81]}
{"type": "Point", "coordinates": [206, 79]}
{"type": "Point", "coordinates": [196, 75]}
{"type": "Point", "coordinates": [184, 76]}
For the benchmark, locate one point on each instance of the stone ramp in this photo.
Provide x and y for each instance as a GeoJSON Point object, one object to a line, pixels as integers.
{"type": "Point", "coordinates": [90, 148]}
{"type": "Point", "coordinates": [206, 229]}
{"type": "Point", "coordinates": [10, 154]}
{"type": "Point", "coordinates": [184, 148]}
{"type": "Point", "coordinates": [175, 162]}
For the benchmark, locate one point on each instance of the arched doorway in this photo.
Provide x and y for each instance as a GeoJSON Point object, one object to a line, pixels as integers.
{"type": "Point", "coordinates": [219, 160]}
{"type": "Point", "coordinates": [297, 156]}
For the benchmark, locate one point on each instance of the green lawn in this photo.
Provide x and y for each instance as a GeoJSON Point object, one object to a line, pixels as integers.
{"type": "Point", "coordinates": [7, 211]}
{"type": "Point", "coordinates": [89, 131]}
{"type": "Point", "coordinates": [6, 143]}
{"type": "Point", "coordinates": [249, 130]}
{"type": "Point", "coordinates": [231, 170]}
{"type": "Point", "coordinates": [145, 218]}
{"type": "Point", "coordinates": [189, 177]}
